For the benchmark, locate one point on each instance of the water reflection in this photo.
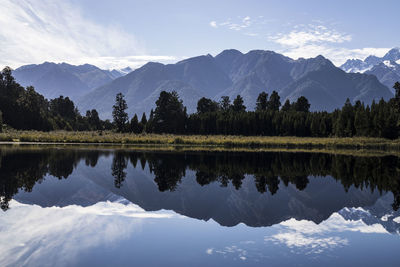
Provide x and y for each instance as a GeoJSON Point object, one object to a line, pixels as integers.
{"type": "Point", "coordinates": [22, 169]}
{"type": "Point", "coordinates": [68, 206]}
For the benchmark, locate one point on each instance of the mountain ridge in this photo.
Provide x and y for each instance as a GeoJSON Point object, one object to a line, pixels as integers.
{"type": "Point", "coordinates": [55, 79]}
{"type": "Point", "coordinates": [231, 73]}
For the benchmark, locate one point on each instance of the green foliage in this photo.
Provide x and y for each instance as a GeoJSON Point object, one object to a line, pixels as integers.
{"type": "Point", "coordinates": [238, 105]}
{"type": "Point", "coordinates": [225, 103]}
{"type": "Point", "coordinates": [205, 105]}
{"type": "Point", "coordinates": [302, 105]}
{"type": "Point", "coordinates": [119, 114]}
{"type": "Point", "coordinates": [28, 110]}
{"type": "Point", "coordinates": [274, 102]}
{"type": "Point", "coordinates": [262, 102]}
{"type": "Point", "coordinates": [136, 126]}
{"type": "Point", "coordinates": [169, 115]}
{"type": "Point", "coordinates": [396, 87]}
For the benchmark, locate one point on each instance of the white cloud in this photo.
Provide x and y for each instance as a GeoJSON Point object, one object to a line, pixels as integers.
{"type": "Point", "coordinates": [213, 24]}
{"type": "Point", "coordinates": [237, 25]}
{"type": "Point", "coordinates": [313, 40]}
{"type": "Point", "coordinates": [310, 35]}
{"type": "Point", "coordinates": [338, 55]}
{"type": "Point", "coordinates": [33, 31]}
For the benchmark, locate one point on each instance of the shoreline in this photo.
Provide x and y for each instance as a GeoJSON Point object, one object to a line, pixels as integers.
{"type": "Point", "coordinates": [201, 142]}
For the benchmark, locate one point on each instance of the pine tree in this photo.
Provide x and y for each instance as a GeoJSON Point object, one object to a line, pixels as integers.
{"type": "Point", "coordinates": [135, 127]}
{"type": "Point", "coordinates": [119, 114]}
{"type": "Point", "coordinates": [287, 106]}
{"type": "Point", "coordinates": [143, 121]}
{"type": "Point", "coordinates": [225, 103]}
{"type": "Point", "coordinates": [238, 104]}
{"type": "Point", "coordinates": [302, 105]}
{"type": "Point", "coordinates": [205, 105]}
{"type": "Point", "coordinates": [361, 123]}
{"type": "Point", "coordinates": [170, 114]}
{"type": "Point", "coordinates": [396, 87]}
{"type": "Point", "coordinates": [262, 100]}
{"type": "Point", "coordinates": [274, 102]}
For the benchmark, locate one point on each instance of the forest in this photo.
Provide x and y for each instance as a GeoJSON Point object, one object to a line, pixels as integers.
{"type": "Point", "coordinates": [25, 109]}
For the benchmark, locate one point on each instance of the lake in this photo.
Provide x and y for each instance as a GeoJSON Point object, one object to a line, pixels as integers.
{"type": "Point", "coordinates": [107, 206]}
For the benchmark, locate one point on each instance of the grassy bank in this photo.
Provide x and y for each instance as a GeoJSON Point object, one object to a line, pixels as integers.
{"type": "Point", "coordinates": [196, 140]}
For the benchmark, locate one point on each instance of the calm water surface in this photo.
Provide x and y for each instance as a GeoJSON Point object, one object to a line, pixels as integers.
{"type": "Point", "coordinates": [66, 206]}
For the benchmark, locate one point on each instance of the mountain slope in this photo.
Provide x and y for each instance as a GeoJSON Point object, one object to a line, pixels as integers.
{"type": "Point", "coordinates": [233, 73]}
{"type": "Point", "coordinates": [53, 80]}
{"type": "Point", "coordinates": [192, 78]}
{"type": "Point", "coordinates": [387, 72]}
{"type": "Point", "coordinates": [386, 68]}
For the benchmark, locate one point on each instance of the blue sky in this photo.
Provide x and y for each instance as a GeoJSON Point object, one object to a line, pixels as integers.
{"type": "Point", "coordinates": [119, 33]}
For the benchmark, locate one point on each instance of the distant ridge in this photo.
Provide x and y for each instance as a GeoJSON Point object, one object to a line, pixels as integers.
{"type": "Point", "coordinates": [231, 73]}
{"type": "Point", "coordinates": [53, 80]}
{"type": "Point", "coordinates": [386, 68]}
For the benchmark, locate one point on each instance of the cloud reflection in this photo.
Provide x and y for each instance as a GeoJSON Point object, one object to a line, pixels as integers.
{"type": "Point", "coordinates": [311, 238]}
{"type": "Point", "coordinates": [31, 233]}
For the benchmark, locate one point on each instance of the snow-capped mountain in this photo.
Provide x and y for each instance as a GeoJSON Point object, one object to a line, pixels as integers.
{"type": "Point", "coordinates": [358, 65]}
{"type": "Point", "coordinates": [386, 68]}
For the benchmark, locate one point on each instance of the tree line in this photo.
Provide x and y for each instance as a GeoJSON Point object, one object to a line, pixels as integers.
{"type": "Point", "coordinates": [270, 117]}
{"type": "Point", "coordinates": [24, 108]}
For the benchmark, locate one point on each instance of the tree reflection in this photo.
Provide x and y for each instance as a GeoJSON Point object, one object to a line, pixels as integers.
{"type": "Point", "coordinates": [269, 169]}
{"type": "Point", "coordinates": [20, 169]}
{"type": "Point", "coordinates": [119, 164]}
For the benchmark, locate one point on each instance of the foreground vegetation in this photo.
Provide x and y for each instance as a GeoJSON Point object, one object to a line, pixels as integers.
{"type": "Point", "coordinates": [109, 137]}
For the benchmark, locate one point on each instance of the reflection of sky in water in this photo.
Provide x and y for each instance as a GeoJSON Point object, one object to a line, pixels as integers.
{"type": "Point", "coordinates": [111, 233]}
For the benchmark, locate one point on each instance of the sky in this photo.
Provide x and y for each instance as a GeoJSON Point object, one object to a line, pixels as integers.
{"type": "Point", "coordinates": [120, 33]}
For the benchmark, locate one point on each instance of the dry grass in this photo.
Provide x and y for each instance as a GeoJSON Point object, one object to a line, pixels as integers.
{"type": "Point", "coordinates": [251, 142]}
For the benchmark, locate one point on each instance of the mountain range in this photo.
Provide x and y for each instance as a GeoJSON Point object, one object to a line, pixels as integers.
{"type": "Point", "coordinates": [228, 74]}
{"type": "Point", "coordinates": [53, 80]}
{"type": "Point", "coordinates": [386, 68]}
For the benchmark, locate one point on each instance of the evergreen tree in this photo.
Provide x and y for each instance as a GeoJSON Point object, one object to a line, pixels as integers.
{"type": "Point", "coordinates": [302, 105]}
{"type": "Point", "coordinates": [225, 103]}
{"type": "Point", "coordinates": [205, 105]}
{"type": "Point", "coordinates": [345, 123]}
{"type": "Point", "coordinates": [135, 126]}
{"type": "Point", "coordinates": [274, 102]}
{"type": "Point", "coordinates": [170, 114]}
{"type": "Point", "coordinates": [144, 119]}
{"type": "Point", "coordinates": [287, 106]}
{"type": "Point", "coordinates": [238, 104]}
{"type": "Point", "coordinates": [93, 119]}
{"type": "Point", "coordinates": [262, 101]}
{"type": "Point", "coordinates": [119, 114]}
{"type": "Point", "coordinates": [396, 87]}
{"type": "Point", "coordinates": [361, 122]}
{"type": "Point", "coordinates": [64, 107]}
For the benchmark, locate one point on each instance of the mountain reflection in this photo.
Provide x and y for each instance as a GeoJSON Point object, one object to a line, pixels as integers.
{"type": "Point", "coordinates": [21, 169]}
